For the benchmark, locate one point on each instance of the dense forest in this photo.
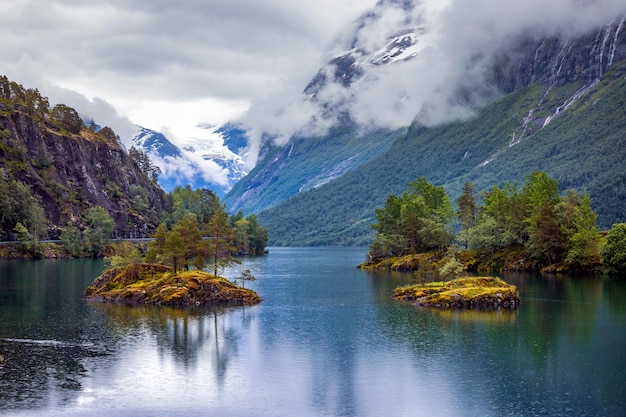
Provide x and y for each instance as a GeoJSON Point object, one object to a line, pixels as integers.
{"type": "Point", "coordinates": [540, 227]}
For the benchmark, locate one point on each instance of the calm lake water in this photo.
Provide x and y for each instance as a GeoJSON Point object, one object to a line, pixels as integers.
{"type": "Point", "coordinates": [326, 341]}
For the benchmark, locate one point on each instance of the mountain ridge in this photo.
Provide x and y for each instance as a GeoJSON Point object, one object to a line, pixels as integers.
{"type": "Point", "coordinates": [553, 94]}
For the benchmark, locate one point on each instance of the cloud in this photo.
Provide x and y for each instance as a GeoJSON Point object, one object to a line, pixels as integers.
{"type": "Point", "coordinates": [132, 53]}
{"type": "Point", "coordinates": [454, 48]}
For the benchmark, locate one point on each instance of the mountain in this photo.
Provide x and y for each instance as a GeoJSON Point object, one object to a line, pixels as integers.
{"type": "Point", "coordinates": [548, 99]}
{"type": "Point", "coordinates": [201, 163]}
{"type": "Point", "coordinates": [50, 159]}
{"type": "Point", "coordinates": [561, 110]}
{"type": "Point", "coordinates": [315, 156]}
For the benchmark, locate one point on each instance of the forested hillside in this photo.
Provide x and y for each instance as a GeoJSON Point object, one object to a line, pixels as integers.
{"type": "Point", "coordinates": [584, 148]}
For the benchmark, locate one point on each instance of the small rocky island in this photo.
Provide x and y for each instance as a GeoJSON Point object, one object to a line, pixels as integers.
{"type": "Point", "coordinates": [157, 284]}
{"type": "Point", "coordinates": [473, 293]}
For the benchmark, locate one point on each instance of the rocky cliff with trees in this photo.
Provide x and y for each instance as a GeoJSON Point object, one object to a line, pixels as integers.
{"type": "Point", "coordinates": [61, 179]}
{"type": "Point", "coordinates": [54, 169]}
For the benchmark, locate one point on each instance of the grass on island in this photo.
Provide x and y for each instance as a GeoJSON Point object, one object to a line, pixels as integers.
{"type": "Point", "coordinates": [471, 292]}
{"type": "Point", "coordinates": [158, 284]}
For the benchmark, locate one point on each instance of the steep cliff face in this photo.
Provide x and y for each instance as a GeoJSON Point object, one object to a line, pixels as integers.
{"type": "Point", "coordinates": [72, 170]}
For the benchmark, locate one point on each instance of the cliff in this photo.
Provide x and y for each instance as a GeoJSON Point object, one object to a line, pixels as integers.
{"type": "Point", "coordinates": [70, 167]}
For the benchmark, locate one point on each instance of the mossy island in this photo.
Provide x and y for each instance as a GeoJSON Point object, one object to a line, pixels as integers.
{"type": "Point", "coordinates": [156, 284]}
{"type": "Point", "coordinates": [472, 293]}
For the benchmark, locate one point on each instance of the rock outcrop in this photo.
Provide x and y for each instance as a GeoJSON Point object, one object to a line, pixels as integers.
{"type": "Point", "coordinates": [160, 285]}
{"type": "Point", "coordinates": [474, 293]}
{"type": "Point", "coordinates": [71, 167]}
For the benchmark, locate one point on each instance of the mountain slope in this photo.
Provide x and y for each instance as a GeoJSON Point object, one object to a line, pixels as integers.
{"type": "Point", "coordinates": [69, 168]}
{"type": "Point", "coordinates": [284, 171]}
{"type": "Point", "coordinates": [200, 163]}
{"type": "Point", "coordinates": [562, 112]}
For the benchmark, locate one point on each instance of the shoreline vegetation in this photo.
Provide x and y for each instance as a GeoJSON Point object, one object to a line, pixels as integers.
{"type": "Point", "coordinates": [532, 228]}
{"type": "Point", "coordinates": [155, 284]}
{"type": "Point", "coordinates": [480, 293]}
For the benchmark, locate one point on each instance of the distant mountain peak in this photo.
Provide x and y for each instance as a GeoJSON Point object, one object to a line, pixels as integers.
{"type": "Point", "coordinates": [201, 163]}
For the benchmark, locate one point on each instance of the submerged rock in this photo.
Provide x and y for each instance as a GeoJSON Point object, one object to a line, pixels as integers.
{"type": "Point", "coordinates": [474, 293]}
{"type": "Point", "coordinates": [160, 285]}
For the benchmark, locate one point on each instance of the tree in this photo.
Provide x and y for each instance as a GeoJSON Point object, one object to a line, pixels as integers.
{"type": "Point", "coordinates": [389, 239]}
{"type": "Point", "coordinates": [219, 236]}
{"type": "Point", "coordinates": [22, 235]}
{"type": "Point", "coordinates": [506, 208]}
{"type": "Point", "coordinates": [246, 275]}
{"type": "Point", "coordinates": [203, 203]}
{"type": "Point", "coordinates": [466, 211]}
{"type": "Point", "coordinates": [190, 237]}
{"type": "Point", "coordinates": [156, 248]}
{"type": "Point", "coordinates": [452, 268]}
{"type": "Point", "coordinates": [257, 236]}
{"type": "Point", "coordinates": [614, 250]}
{"type": "Point", "coordinates": [414, 222]}
{"type": "Point", "coordinates": [67, 118]}
{"type": "Point", "coordinates": [143, 162]}
{"type": "Point", "coordinates": [98, 234]}
{"type": "Point", "coordinates": [579, 223]}
{"type": "Point", "coordinates": [72, 242]}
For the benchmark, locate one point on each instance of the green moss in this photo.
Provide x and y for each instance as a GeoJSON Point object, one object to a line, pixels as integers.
{"type": "Point", "coordinates": [158, 284]}
{"type": "Point", "coordinates": [427, 260]}
{"type": "Point", "coordinates": [475, 292]}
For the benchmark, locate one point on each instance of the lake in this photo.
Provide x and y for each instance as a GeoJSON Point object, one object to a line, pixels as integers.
{"type": "Point", "coordinates": [326, 341]}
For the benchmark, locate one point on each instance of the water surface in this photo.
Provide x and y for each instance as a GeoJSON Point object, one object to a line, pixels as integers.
{"type": "Point", "coordinates": [326, 341]}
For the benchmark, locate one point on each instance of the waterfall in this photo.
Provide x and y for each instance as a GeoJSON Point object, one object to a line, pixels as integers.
{"type": "Point", "coordinates": [613, 46]}
{"type": "Point", "coordinates": [607, 41]}
{"type": "Point", "coordinates": [532, 78]}
{"type": "Point", "coordinates": [554, 77]}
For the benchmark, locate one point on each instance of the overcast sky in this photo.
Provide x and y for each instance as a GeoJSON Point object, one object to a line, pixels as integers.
{"type": "Point", "coordinates": [168, 64]}
{"type": "Point", "coordinates": [171, 65]}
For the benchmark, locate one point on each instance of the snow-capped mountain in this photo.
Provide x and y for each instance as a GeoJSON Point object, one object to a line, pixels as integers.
{"type": "Point", "coordinates": [407, 65]}
{"type": "Point", "coordinates": [201, 163]}
{"type": "Point", "coordinates": [401, 34]}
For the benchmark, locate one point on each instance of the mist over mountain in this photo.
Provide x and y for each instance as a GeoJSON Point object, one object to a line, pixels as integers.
{"type": "Point", "coordinates": [408, 59]}
{"type": "Point", "coordinates": [199, 163]}
{"type": "Point", "coordinates": [438, 70]}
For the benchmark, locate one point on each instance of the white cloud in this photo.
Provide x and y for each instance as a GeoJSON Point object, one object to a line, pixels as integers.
{"type": "Point", "coordinates": [171, 65]}
{"type": "Point", "coordinates": [158, 60]}
{"type": "Point", "coordinates": [454, 54]}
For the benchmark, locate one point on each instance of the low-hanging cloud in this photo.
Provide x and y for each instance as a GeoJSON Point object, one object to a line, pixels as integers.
{"type": "Point", "coordinates": [456, 43]}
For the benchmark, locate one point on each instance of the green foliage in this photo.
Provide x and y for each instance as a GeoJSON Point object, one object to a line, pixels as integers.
{"type": "Point", "coordinates": [72, 241]}
{"type": "Point", "coordinates": [466, 211]}
{"type": "Point", "coordinates": [201, 202]}
{"type": "Point", "coordinates": [452, 268]}
{"type": "Point", "coordinates": [578, 220]}
{"type": "Point", "coordinates": [66, 118]}
{"type": "Point", "coordinates": [19, 205]}
{"type": "Point", "coordinates": [551, 229]}
{"type": "Point", "coordinates": [143, 162]}
{"type": "Point", "coordinates": [614, 250]}
{"type": "Point", "coordinates": [139, 198]}
{"type": "Point", "coordinates": [246, 275]}
{"type": "Point", "coordinates": [219, 237]}
{"type": "Point", "coordinates": [190, 243]}
{"type": "Point", "coordinates": [416, 221]}
{"type": "Point", "coordinates": [100, 231]}
{"type": "Point", "coordinates": [21, 234]}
